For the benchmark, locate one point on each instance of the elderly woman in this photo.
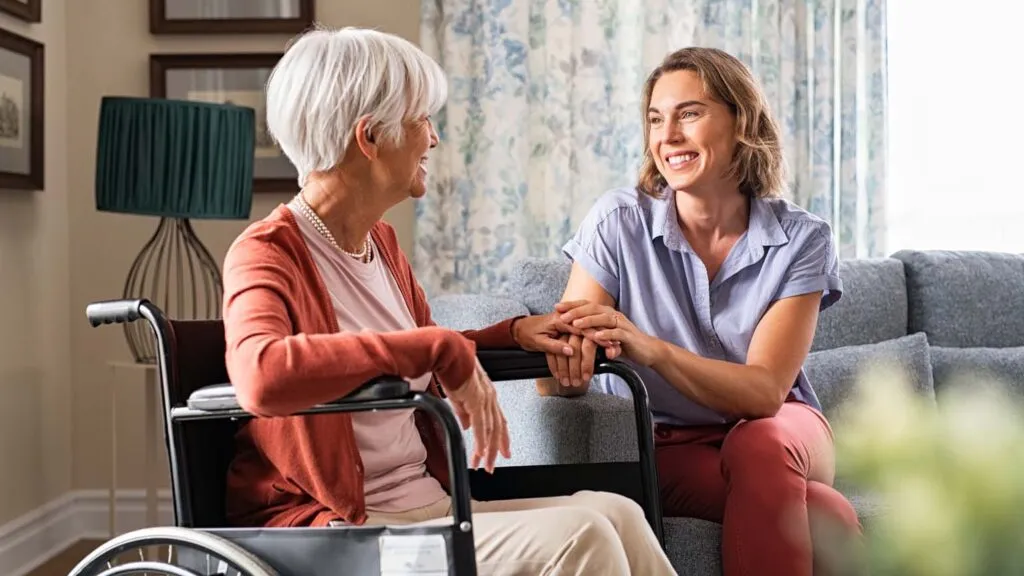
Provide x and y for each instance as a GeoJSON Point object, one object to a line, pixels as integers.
{"type": "Point", "coordinates": [320, 299]}
{"type": "Point", "coordinates": [710, 284]}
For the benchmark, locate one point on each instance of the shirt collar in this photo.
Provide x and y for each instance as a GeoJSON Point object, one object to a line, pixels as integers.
{"type": "Point", "coordinates": [763, 228]}
{"type": "Point", "coordinates": [664, 223]}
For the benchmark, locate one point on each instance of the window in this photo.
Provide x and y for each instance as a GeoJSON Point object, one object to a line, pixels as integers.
{"type": "Point", "coordinates": [956, 125]}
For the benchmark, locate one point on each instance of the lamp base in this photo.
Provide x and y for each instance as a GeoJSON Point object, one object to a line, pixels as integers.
{"type": "Point", "coordinates": [177, 273]}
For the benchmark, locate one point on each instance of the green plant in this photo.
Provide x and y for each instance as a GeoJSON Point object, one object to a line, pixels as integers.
{"type": "Point", "coordinates": [950, 476]}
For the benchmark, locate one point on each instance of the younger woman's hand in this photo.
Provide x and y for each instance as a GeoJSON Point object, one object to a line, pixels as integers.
{"type": "Point", "coordinates": [576, 369]}
{"type": "Point", "coordinates": [609, 328]}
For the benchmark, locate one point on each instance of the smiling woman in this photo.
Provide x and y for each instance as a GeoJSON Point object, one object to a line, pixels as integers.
{"type": "Point", "coordinates": [710, 284]}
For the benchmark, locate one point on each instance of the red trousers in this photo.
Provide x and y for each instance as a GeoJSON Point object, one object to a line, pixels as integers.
{"type": "Point", "coordinates": [767, 481]}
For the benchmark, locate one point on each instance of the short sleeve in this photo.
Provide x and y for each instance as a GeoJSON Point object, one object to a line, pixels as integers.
{"type": "Point", "coordinates": [814, 267]}
{"type": "Point", "coordinates": [595, 247]}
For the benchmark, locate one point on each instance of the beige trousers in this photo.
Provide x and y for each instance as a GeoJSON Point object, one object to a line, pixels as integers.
{"type": "Point", "coordinates": [592, 533]}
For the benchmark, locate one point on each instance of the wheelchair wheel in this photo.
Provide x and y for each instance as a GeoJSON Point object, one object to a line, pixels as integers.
{"type": "Point", "coordinates": [184, 552]}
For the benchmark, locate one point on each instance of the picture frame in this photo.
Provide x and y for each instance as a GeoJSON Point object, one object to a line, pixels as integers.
{"type": "Point", "coordinates": [230, 16]}
{"type": "Point", "coordinates": [27, 10]}
{"type": "Point", "coordinates": [22, 112]}
{"type": "Point", "coordinates": [228, 78]}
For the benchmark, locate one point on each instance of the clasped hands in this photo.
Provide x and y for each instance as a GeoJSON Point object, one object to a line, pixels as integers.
{"type": "Point", "coordinates": [570, 337]}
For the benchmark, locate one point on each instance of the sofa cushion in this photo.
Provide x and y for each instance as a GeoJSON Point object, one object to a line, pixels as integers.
{"type": "Point", "coordinates": [544, 430]}
{"type": "Point", "coordinates": [834, 373]}
{"type": "Point", "coordinates": [694, 545]}
{"type": "Point", "coordinates": [539, 282]}
{"type": "Point", "coordinates": [966, 299]}
{"type": "Point", "coordinates": [472, 312]}
{"type": "Point", "coordinates": [873, 307]}
{"type": "Point", "coordinates": [999, 366]}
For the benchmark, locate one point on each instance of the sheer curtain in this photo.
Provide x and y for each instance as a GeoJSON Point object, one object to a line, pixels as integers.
{"type": "Point", "coordinates": [544, 116]}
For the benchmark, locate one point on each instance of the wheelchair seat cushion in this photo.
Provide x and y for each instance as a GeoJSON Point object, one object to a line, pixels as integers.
{"type": "Point", "coordinates": [214, 398]}
{"type": "Point", "coordinates": [222, 396]}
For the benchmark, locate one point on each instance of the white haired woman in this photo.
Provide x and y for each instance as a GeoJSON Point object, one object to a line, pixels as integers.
{"type": "Point", "coordinates": [319, 299]}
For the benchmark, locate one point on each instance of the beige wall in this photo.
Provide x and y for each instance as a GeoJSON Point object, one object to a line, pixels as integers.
{"type": "Point", "coordinates": [54, 378]}
{"type": "Point", "coordinates": [35, 350]}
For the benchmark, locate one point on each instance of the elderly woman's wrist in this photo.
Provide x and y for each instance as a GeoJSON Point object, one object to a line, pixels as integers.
{"type": "Point", "coordinates": [456, 360]}
{"type": "Point", "coordinates": [515, 328]}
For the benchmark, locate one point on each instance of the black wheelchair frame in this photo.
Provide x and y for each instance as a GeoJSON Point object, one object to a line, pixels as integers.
{"type": "Point", "coordinates": [200, 412]}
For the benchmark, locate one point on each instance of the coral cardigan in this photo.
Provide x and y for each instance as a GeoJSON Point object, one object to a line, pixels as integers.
{"type": "Point", "coordinates": [285, 353]}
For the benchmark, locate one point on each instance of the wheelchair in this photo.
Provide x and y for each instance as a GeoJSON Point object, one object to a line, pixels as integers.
{"type": "Point", "coordinates": [200, 416]}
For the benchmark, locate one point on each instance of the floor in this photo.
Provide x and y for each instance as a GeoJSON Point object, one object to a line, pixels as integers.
{"type": "Point", "coordinates": [62, 564]}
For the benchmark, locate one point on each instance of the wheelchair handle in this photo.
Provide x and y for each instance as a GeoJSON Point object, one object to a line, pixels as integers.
{"type": "Point", "coordinates": [114, 311]}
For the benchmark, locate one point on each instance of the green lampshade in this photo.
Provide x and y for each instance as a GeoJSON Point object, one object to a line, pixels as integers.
{"type": "Point", "coordinates": [175, 158]}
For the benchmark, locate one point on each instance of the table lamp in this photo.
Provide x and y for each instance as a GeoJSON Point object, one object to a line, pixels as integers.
{"type": "Point", "coordinates": [176, 160]}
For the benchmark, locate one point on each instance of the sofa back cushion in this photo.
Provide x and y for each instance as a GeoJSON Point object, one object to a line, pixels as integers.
{"type": "Point", "coordinates": [873, 307]}
{"type": "Point", "coordinates": [966, 299]}
{"type": "Point", "coordinates": [539, 282]}
{"type": "Point", "coordinates": [473, 311]}
{"type": "Point", "coordinates": [834, 373]}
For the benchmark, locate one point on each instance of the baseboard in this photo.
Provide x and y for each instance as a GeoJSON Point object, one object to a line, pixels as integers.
{"type": "Point", "coordinates": [30, 540]}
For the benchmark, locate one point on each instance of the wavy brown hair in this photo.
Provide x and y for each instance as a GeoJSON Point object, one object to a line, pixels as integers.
{"type": "Point", "coordinates": [757, 165]}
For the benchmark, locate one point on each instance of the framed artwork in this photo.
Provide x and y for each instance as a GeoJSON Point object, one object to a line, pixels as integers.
{"type": "Point", "coordinates": [27, 10]}
{"type": "Point", "coordinates": [229, 16]}
{"type": "Point", "coordinates": [228, 79]}
{"type": "Point", "coordinates": [21, 112]}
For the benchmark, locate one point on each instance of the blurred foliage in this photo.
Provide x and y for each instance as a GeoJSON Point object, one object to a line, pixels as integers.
{"type": "Point", "coordinates": [948, 474]}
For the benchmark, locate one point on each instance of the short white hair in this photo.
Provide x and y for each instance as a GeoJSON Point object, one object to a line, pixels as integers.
{"type": "Point", "coordinates": [328, 80]}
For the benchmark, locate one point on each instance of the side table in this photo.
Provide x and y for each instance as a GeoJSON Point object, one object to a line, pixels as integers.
{"type": "Point", "coordinates": [152, 416]}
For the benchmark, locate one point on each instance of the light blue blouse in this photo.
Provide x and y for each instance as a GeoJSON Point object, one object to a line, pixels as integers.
{"type": "Point", "coordinates": [633, 246]}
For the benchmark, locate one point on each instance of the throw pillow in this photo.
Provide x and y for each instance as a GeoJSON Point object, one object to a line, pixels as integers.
{"type": "Point", "coordinates": [998, 366]}
{"type": "Point", "coordinates": [834, 373]}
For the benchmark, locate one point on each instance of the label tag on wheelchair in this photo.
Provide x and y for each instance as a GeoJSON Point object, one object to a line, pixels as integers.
{"type": "Point", "coordinates": [413, 555]}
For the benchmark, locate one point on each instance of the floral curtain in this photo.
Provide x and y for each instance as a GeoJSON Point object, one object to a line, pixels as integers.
{"type": "Point", "coordinates": [544, 116]}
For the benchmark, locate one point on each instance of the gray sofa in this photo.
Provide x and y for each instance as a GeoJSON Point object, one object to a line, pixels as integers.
{"type": "Point", "coordinates": [938, 314]}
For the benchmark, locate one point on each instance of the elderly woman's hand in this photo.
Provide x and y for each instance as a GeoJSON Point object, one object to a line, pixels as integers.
{"type": "Point", "coordinates": [476, 406]}
{"type": "Point", "coordinates": [542, 333]}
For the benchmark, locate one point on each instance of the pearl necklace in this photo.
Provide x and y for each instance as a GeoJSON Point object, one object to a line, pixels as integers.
{"type": "Point", "coordinates": [364, 255]}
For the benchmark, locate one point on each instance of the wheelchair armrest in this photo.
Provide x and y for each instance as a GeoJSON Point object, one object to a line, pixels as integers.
{"type": "Point", "coordinates": [517, 364]}
{"type": "Point", "coordinates": [221, 397]}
